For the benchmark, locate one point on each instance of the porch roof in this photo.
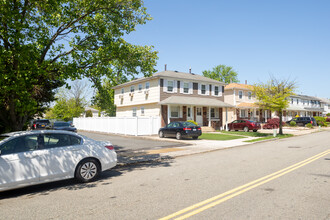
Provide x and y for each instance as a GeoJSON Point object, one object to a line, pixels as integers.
{"type": "Point", "coordinates": [314, 109]}
{"type": "Point", "coordinates": [247, 105]}
{"type": "Point", "coordinates": [183, 100]}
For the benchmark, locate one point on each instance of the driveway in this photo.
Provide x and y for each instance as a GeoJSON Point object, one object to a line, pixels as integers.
{"type": "Point", "coordinates": [132, 143]}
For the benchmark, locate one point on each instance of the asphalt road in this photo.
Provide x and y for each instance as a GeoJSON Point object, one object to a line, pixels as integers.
{"type": "Point", "coordinates": [271, 180]}
{"type": "Point", "coordinates": [130, 143]}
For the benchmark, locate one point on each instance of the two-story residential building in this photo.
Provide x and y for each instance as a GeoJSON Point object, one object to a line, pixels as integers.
{"type": "Point", "coordinates": [173, 96]}
{"type": "Point", "coordinates": [303, 105]}
{"type": "Point", "coordinates": [241, 96]}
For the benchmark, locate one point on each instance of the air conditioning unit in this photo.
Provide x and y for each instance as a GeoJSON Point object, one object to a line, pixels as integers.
{"type": "Point", "coordinates": [146, 91]}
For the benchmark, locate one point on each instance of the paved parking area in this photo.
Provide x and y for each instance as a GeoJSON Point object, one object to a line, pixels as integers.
{"type": "Point", "coordinates": [132, 143]}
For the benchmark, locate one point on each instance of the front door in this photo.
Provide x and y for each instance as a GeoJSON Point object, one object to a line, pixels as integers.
{"type": "Point", "coordinates": [199, 116]}
{"type": "Point", "coordinates": [190, 113]}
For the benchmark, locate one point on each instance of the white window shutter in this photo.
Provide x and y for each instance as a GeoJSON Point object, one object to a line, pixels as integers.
{"type": "Point", "coordinates": [190, 88]}
{"type": "Point", "coordinates": [220, 91]}
{"type": "Point", "coordinates": [165, 85]}
{"type": "Point", "coordinates": [207, 89]}
{"type": "Point", "coordinates": [199, 88]}
{"type": "Point", "coordinates": [212, 93]}
{"type": "Point", "coordinates": [175, 85]}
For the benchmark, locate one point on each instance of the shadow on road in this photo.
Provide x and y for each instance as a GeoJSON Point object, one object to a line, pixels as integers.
{"type": "Point", "coordinates": [71, 184]}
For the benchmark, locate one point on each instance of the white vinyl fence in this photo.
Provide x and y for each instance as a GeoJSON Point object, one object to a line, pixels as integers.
{"type": "Point", "coordinates": [125, 125]}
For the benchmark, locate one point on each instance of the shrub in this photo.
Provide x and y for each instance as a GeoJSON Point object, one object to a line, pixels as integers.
{"type": "Point", "coordinates": [320, 120]}
{"type": "Point", "coordinates": [327, 120]}
{"type": "Point", "coordinates": [192, 121]}
{"type": "Point", "coordinates": [309, 125]}
{"type": "Point", "coordinates": [293, 123]}
{"type": "Point", "coordinates": [328, 114]}
{"type": "Point", "coordinates": [89, 113]}
{"type": "Point", "coordinates": [273, 123]}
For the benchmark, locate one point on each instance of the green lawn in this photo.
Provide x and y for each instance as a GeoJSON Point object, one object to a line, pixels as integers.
{"type": "Point", "coordinates": [219, 137]}
{"type": "Point", "coordinates": [249, 134]}
{"type": "Point", "coordinates": [270, 137]}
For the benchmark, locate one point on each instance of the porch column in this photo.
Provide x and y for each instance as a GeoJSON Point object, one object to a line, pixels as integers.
{"type": "Point", "coordinates": [266, 116]}
{"type": "Point", "coordinates": [209, 117]}
{"type": "Point", "coordinates": [168, 114]}
{"type": "Point", "coordinates": [226, 119]}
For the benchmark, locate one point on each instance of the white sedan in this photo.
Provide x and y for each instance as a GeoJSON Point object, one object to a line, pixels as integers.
{"type": "Point", "coordinates": [34, 157]}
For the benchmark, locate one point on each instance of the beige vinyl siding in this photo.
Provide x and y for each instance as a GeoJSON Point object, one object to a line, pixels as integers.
{"type": "Point", "coordinates": [229, 97]}
{"type": "Point", "coordinates": [139, 97]}
{"type": "Point", "coordinates": [149, 110]}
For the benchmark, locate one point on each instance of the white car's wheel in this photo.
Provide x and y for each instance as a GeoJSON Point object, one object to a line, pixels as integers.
{"type": "Point", "coordinates": [246, 129]}
{"type": "Point", "coordinates": [161, 134]}
{"type": "Point", "coordinates": [87, 170]}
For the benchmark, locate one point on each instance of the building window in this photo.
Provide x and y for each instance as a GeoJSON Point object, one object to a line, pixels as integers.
{"type": "Point", "coordinates": [291, 101]}
{"type": "Point", "coordinates": [212, 113]}
{"type": "Point", "coordinates": [170, 85]}
{"type": "Point", "coordinates": [186, 88]}
{"type": "Point", "coordinates": [243, 113]}
{"type": "Point", "coordinates": [203, 89]}
{"type": "Point", "coordinates": [147, 85]}
{"type": "Point", "coordinates": [132, 88]}
{"type": "Point", "coordinates": [175, 111]}
{"type": "Point", "coordinates": [134, 112]}
{"type": "Point", "coordinates": [249, 95]}
{"type": "Point", "coordinates": [240, 94]}
{"type": "Point", "coordinates": [122, 91]}
{"type": "Point", "coordinates": [140, 87]}
{"type": "Point", "coordinates": [142, 110]}
{"type": "Point", "coordinates": [189, 112]}
{"type": "Point", "coordinates": [216, 90]}
{"type": "Point", "coordinates": [297, 101]}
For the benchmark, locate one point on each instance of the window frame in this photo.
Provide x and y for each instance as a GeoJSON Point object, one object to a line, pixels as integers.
{"type": "Point", "coordinates": [240, 94]}
{"type": "Point", "coordinates": [204, 89]}
{"type": "Point", "coordinates": [132, 88]}
{"type": "Point", "coordinates": [134, 112]}
{"type": "Point", "coordinates": [168, 86]}
{"type": "Point", "coordinates": [178, 111]}
{"type": "Point", "coordinates": [147, 85]}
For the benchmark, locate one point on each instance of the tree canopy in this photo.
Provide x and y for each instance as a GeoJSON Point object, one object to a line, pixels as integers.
{"type": "Point", "coordinates": [222, 73]}
{"type": "Point", "coordinates": [274, 96]}
{"type": "Point", "coordinates": [44, 43]}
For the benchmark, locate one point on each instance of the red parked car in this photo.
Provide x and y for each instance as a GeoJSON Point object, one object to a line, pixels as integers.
{"type": "Point", "coordinates": [244, 125]}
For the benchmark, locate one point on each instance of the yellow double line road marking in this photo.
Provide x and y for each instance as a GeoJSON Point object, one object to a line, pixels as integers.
{"type": "Point", "coordinates": [206, 204]}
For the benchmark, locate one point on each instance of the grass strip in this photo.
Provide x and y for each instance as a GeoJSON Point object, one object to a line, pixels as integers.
{"type": "Point", "coordinates": [270, 137]}
{"type": "Point", "coordinates": [219, 137]}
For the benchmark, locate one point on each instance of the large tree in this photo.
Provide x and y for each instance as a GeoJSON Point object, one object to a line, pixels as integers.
{"type": "Point", "coordinates": [222, 73]}
{"type": "Point", "coordinates": [274, 96]}
{"type": "Point", "coordinates": [44, 43]}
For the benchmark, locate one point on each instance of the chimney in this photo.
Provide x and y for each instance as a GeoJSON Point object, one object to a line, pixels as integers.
{"type": "Point", "coordinates": [165, 67]}
{"type": "Point", "coordinates": [245, 82]}
{"type": "Point", "coordinates": [189, 69]}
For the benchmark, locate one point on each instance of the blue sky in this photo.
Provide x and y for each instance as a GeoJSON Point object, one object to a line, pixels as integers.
{"type": "Point", "coordinates": [286, 39]}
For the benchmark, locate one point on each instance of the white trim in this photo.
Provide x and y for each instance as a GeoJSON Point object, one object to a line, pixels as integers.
{"type": "Point", "coordinates": [165, 85]}
{"type": "Point", "coordinates": [199, 89]}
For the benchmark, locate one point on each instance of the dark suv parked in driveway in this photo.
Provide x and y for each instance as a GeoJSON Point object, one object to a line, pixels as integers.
{"type": "Point", "coordinates": [302, 121]}
{"type": "Point", "coordinates": [40, 124]}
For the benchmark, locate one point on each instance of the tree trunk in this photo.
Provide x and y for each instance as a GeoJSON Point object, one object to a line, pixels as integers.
{"type": "Point", "coordinates": [280, 113]}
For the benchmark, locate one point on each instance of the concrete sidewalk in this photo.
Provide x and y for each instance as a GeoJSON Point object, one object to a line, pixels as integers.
{"type": "Point", "coordinates": [196, 146]}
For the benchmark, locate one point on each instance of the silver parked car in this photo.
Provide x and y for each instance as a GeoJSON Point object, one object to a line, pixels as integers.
{"type": "Point", "coordinates": [40, 156]}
